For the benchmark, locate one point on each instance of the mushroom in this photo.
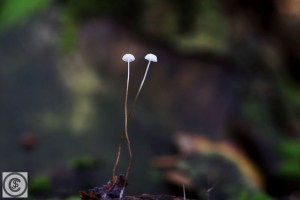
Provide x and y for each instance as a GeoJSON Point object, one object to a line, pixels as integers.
{"type": "Point", "coordinates": [151, 58]}
{"type": "Point", "coordinates": [128, 58]}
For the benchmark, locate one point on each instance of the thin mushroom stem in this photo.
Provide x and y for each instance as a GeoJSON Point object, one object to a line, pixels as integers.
{"type": "Point", "coordinates": [126, 136]}
{"type": "Point", "coordinates": [129, 117]}
{"type": "Point", "coordinates": [125, 133]}
{"type": "Point", "coordinates": [126, 127]}
{"type": "Point", "coordinates": [129, 58]}
{"type": "Point", "coordinates": [140, 88]}
{"type": "Point", "coordinates": [118, 157]}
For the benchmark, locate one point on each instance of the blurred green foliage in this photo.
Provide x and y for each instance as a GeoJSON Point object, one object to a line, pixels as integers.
{"type": "Point", "coordinates": [210, 29]}
{"type": "Point", "coordinates": [83, 162]}
{"type": "Point", "coordinates": [75, 11]}
{"type": "Point", "coordinates": [256, 112]}
{"type": "Point", "coordinates": [257, 196]}
{"type": "Point", "coordinates": [92, 8]}
{"type": "Point", "coordinates": [39, 184]}
{"type": "Point", "coordinates": [68, 33]}
{"type": "Point", "coordinates": [16, 11]}
{"type": "Point", "coordinates": [74, 198]}
{"type": "Point", "coordinates": [289, 91]}
{"type": "Point", "coordinates": [187, 26]}
{"type": "Point", "coordinates": [205, 28]}
{"type": "Point", "coordinates": [290, 153]}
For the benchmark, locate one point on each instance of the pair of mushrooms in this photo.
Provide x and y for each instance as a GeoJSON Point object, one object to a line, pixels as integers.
{"type": "Point", "coordinates": [130, 58]}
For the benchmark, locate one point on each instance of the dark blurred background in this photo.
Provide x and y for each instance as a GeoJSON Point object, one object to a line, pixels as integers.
{"type": "Point", "coordinates": [219, 111]}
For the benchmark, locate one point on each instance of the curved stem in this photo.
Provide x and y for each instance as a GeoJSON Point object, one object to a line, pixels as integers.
{"type": "Point", "coordinates": [126, 127]}
{"type": "Point", "coordinates": [127, 118]}
{"type": "Point", "coordinates": [125, 133]}
{"type": "Point", "coordinates": [118, 157]}
{"type": "Point", "coordinates": [138, 93]}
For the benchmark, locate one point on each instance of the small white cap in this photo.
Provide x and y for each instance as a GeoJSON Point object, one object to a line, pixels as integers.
{"type": "Point", "coordinates": [128, 57]}
{"type": "Point", "coordinates": [151, 57]}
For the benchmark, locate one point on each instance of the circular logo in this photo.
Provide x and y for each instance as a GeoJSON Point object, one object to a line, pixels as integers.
{"type": "Point", "coordinates": [15, 184]}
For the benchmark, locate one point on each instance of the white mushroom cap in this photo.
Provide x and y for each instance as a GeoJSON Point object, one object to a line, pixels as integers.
{"type": "Point", "coordinates": [151, 57]}
{"type": "Point", "coordinates": [128, 57]}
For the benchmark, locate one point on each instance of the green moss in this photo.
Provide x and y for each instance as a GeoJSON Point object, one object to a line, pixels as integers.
{"type": "Point", "coordinates": [256, 112]}
{"type": "Point", "coordinates": [39, 184]}
{"type": "Point", "coordinates": [290, 169]}
{"type": "Point", "coordinates": [209, 29]}
{"type": "Point", "coordinates": [16, 11]}
{"type": "Point", "coordinates": [290, 153]}
{"type": "Point", "coordinates": [83, 162]}
{"type": "Point", "coordinates": [289, 149]}
{"type": "Point", "coordinates": [74, 198]}
{"type": "Point", "coordinates": [68, 33]}
{"type": "Point", "coordinates": [92, 8]}
{"type": "Point", "coordinates": [289, 91]}
{"type": "Point", "coordinates": [258, 196]}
